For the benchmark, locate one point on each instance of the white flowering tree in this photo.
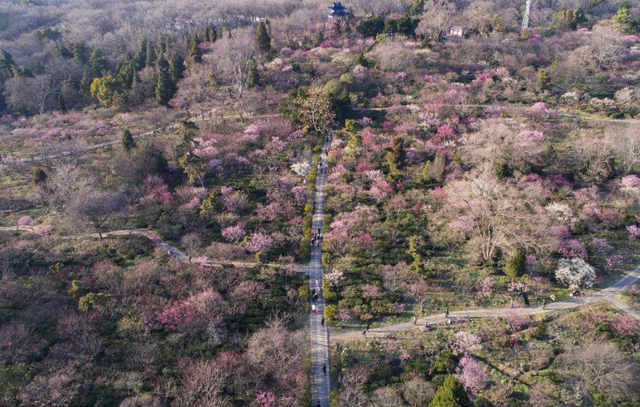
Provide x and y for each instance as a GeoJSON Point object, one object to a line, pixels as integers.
{"type": "Point", "coordinates": [301, 169]}
{"type": "Point", "coordinates": [575, 273]}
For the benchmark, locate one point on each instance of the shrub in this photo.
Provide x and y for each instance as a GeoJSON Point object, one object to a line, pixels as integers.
{"type": "Point", "coordinates": [330, 312]}
{"type": "Point", "coordinates": [515, 264]}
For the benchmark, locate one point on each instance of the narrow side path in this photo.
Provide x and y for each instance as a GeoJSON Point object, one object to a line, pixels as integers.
{"type": "Point", "coordinates": [318, 332]}
{"type": "Point", "coordinates": [608, 295]}
{"type": "Point", "coordinates": [171, 250]}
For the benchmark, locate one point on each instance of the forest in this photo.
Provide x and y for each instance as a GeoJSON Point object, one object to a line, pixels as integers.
{"type": "Point", "coordinates": [283, 203]}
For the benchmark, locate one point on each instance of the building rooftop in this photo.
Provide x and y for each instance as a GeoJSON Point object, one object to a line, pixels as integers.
{"type": "Point", "coordinates": [337, 9]}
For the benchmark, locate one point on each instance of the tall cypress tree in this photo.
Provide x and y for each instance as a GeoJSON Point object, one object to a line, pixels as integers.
{"type": "Point", "coordinates": [263, 39]}
{"type": "Point", "coordinates": [141, 56]}
{"type": "Point", "coordinates": [397, 157]}
{"type": "Point", "coordinates": [61, 103]}
{"type": "Point", "coordinates": [253, 76]}
{"type": "Point", "coordinates": [98, 63]}
{"type": "Point", "coordinates": [177, 68]}
{"type": "Point", "coordinates": [127, 140]}
{"type": "Point", "coordinates": [151, 55]}
{"type": "Point", "coordinates": [195, 55]}
{"type": "Point", "coordinates": [81, 52]}
{"type": "Point", "coordinates": [165, 87]}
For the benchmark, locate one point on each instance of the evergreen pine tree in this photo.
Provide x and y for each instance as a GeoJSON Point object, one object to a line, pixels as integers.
{"type": "Point", "coordinates": [127, 140]}
{"type": "Point", "coordinates": [162, 47]}
{"type": "Point", "coordinates": [195, 54]}
{"type": "Point", "coordinates": [396, 158]}
{"type": "Point", "coordinates": [623, 21]}
{"type": "Point", "coordinates": [435, 171]}
{"type": "Point", "coordinates": [451, 394]}
{"type": "Point", "coordinates": [544, 80]}
{"type": "Point", "coordinates": [141, 56]}
{"type": "Point", "coordinates": [6, 62]}
{"type": "Point", "coordinates": [253, 76]}
{"type": "Point", "coordinates": [85, 83]}
{"type": "Point", "coordinates": [81, 52]}
{"type": "Point", "coordinates": [362, 60]}
{"type": "Point", "coordinates": [177, 68]}
{"type": "Point", "coordinates": [263, 39]}
{"type": "Point", "coordinates": [165, 87]}
{"type": "Point", "coordinates": [212, 33]}
{"type": "Point", "coordinates": [151, 55]}
{"type": "Point", "coordinates": [187, 130]}
{"type": "Point", "coordinates": [38, 176]}
{"type": "Point", "coordinates": [417, 7]}
{"type": "Point", "coordinates": [98, 63]}
{"type": "Point", "coordinates": [61, 103]}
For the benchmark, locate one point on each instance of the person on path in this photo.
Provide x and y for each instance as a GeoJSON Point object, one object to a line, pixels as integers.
{"type": "Point", "coordinates": [322, 321]}
{"type": "Point", "coordinates": [415, 320]}
{"type": "Point", "coordinates": [544, 302]}
{"type": "Point", "coordinates": [364, 333]}
{"type": "Point", "coordinates": [324, 369]}
{"type": "Point", "coordinates": [313, 309]}
{"type": "Point", "coordinates": [446, 312]}
{"type": "Point", "coordinates": [313, 292]}
{"type": "Point", "coordinates": [318, 404]}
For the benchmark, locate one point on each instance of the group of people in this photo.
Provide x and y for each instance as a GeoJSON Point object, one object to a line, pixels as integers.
{"type": "Point", "coordinates": [316, 237]}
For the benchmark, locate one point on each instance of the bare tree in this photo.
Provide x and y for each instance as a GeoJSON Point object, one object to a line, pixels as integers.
{"type": "Point", "coordinates": [626, 148]}
{"type": "Point", "coordinates": [233, 57]}
{"type": "Point", "coordinates": [599, 368]}
{"type": "Point", "coordinates": [352, 388]}
{"type": "Point", "coordinates": [62, 181]}
{"type": "Point", "coordinates": [606, 45]}
{"type": "Point", "coordinates": [436, 18]}
{"type": "Point", "coordinates": [496, 216]}
{"type": "Point", "coordinates": [203, 385]}
{"type": "Point", "coordinates": [91, 209]}
{"type": "Point", "coordinates": [33, 95]}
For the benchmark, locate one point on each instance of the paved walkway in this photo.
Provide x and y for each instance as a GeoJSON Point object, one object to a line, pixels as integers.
{"type": "Point", "coordinates": [608, 295]}
{"type": "Point", "coordinates": [171, 250]}
{"type": "Point", "coordinates": [319, 333]}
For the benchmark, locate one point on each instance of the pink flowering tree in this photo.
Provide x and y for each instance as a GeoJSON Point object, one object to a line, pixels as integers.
{"type": "Point", "coordinates": [26, 221]}
{"type": "Point", "coordinates": [266, 399]}
{"type": "Point", "coordinates": [471, 374]}
{"type": "Point", "coordinates": [371, 291]}
{"type": "Point", "coordinates": [233, 233]}
{"type": "Point", "coordinates": [624, 326]}
{"type": "Point", "coordinates": [259, 242]}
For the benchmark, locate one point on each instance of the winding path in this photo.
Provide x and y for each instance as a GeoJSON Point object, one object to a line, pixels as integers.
{"type": "Point", "coordinates": [319, 332]}
{"type": "Point", "coordinates": [608, 295]}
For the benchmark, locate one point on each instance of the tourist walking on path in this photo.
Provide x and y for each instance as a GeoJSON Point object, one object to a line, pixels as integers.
{"type": "Point", "coordinates": [313, 309]}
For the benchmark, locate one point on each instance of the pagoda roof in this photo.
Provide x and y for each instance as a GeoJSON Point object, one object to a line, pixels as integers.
{"type": "Point", "coordinates": [336, 7]}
